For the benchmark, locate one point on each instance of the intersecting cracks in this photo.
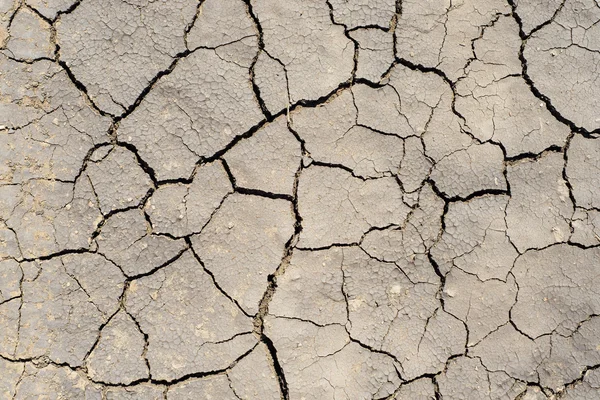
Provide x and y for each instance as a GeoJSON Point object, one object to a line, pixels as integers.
{"type": "Point", "coordinates": [261, 48]}
{"type": "Point", "coordinates": [43, 361]}
{"type": "Point", "coordinates": [398, 110]}
{"type": "Point", "coordinates": [263, 307]}
{"type": "Point", "coordinates": [68, 10]}
{"type": "Point", "coordinates": [103, 325]}
{"type": "Point", "coordinates": [291, 244]}
{"type": "Point", "coordinates": [524, 37]}
{"type": "Point", "coordinates": [375, 350]}
{"type": "Point", "coordinates": [81, 287]}
{"type": "Point", "coordinates": [385, 262]}
{"type": "Point", "coordinates": [482, 30]}
{"type": "Point", "coordinates": [14, 13]}
{"type": "Point", "coordinates": [577, 381]}
{"type": "Point", "coordinates": [254, 192]}
{"type": "Point", "coordinates": [350, 38]}
{"type": "Point", "coordinates": [189, 27]}
{"type": "Point", "coordinates": [212, 277]}
{"type": "Point", "coordinates": [152, 82]}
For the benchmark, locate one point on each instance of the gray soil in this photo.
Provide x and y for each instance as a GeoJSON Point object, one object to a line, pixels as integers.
{"type": "Point", "coordinates": [299, 199]}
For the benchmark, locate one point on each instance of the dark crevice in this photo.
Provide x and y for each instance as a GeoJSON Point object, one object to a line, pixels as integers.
{"type": "Point", "coordinates": [253, 192]}
{"type": "Point", "coordinates": [261, 47]}
{"type": "Point", "coordinates": [534, 156]}
{"type": "Point", "coordinates": [58, 254]}
{"type": "Point", "coordinates": [80, 86]}
{"type": "Point", "coordinates": [189, 27]}
{"type": "Point", "coordinates": [178, 57]}
{"type": "Point", "coordinates": [261, 193]}
{"type": "Point", "coordinates": [283, 386]}
{"type": "Point", "coordinates": [161, 266]}
{"type": "Point", "coordinates": [141, 162]}
{"type": "Point", "coordinates": [69, 10]}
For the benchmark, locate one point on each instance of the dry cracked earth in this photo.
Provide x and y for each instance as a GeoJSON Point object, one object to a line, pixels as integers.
{"type": "Point", "coordinates": [321, 199]}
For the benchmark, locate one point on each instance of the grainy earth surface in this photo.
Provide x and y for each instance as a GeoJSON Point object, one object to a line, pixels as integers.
{"type": "Point", "coordinates": [284, 199]}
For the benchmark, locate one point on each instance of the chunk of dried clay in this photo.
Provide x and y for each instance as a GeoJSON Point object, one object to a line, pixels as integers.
{"type": "Point", "coordinates": [116, 49]}
{"type": "Point", "coordinates": [375, 53]}
{"type": "Point", "coordinates": [331, 135]}
{"type": "Point", "coordinates": [381, 110]}
{"type": "Point", "coordinates": [327, 53]}
{"type": "Point", "coordinates": [39, 382]}
{"type": "Point", "coordinates": [184, 209]}
{"type": "Point", "coordinates": [586, 227]}
{"type": "Point", "coordinates": [338, 208]}
{"type": "Point", "coordinates": [52, 8]}
{"type": "Point", "coordinates": [118, 357]}
{"type": "Point", "coordinates": [211, 387]}
{"type": "Point", "coordinates": [9, 246]}
{"type": "Point", "coordinates": [556, 289]}
{"type": "Point", "coordinates": [78, 293]}
{"type": "Point", "coordinates": [434, 34]}
{"type": "Point", "coordinates": [127, 240]}
{"type": "Point", "coordinates": [415, 166]}
{"type": "Point", "coordinates": [271, 79]}
{"type": "Point", "coordinates": [390, 313]}
{"type": "Point", "coordinates": [311, 288]}
{"type": "Point", "coordinates": [253, 377]}
{"type": "Point", "coordinates": [561, 59]}
{"type": "Point", "coordinates": [10, 280]}
{"type": "Point", "coordinates": [143, 391]}
{"type": "Point", "coordinates": [48, 127]}
{"type": "Point", "coordinates": [250, 228]}
{"type": "Point", "coordinates": [356, 13]}
{"type": "Point", "coordinates": [267, 161]}
{"type": "Point", "coordinates": [420, 94]}
{"type": "Point", "coordinates": [408, 247]}
{"type": "Point", "coordinates": [571, 356]}
{"type": "Point", "coordinates": [420, 389]}
{"type": "Point", "coordinates": [475, 239]}
{"type": "Point", "coordinates": [181, 301]}
{"type": "Point", "coordinates": [583, 165]}
{"type": "Point", "coordinates": [466, 378]}
{"type": "Point", "coordinates": [11, 374]}
{"type": "Point", "coordinates": [220, 22]}
{"type": "Point", "coordinates": [535, 13]}
{"type": "Point", "coordinates": [50, 216]}
{"type": "Point", "coordinates": [586, 389]}
{"type": "Point", "coordinates": [483, 306]}
{"type": "Point", "coordinates": [195, 111]}
{"type": "Point", "coordinates": [9, 326]}
{"type": "Point", "coordinates": [321, 362]}
{"type": "Point", "coordinates": [539, 207]}
{"type": "Point", "coordinates": [29, 37]}
{"type": "Point", "coordinates": [479, 168]}
{"type": "Point", "coordinates": [512, 352]}
{"type": "Point", "coordinates": [118, 180]}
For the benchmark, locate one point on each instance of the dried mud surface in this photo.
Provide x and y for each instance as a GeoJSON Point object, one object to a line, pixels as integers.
{"type": "Point", "coordinates": [322, 199]}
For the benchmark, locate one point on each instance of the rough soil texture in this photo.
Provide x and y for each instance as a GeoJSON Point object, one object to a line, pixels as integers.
{"type": "Point", "coordinates": [300, 199]}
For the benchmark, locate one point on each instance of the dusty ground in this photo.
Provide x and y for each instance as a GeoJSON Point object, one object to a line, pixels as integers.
{"type": "Point", "coordinates": [285, 199]}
